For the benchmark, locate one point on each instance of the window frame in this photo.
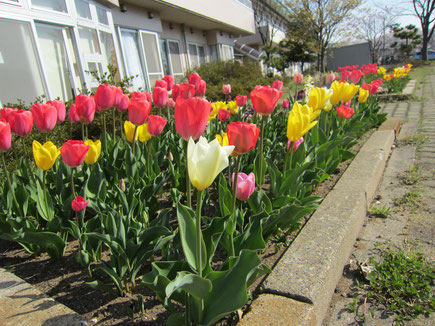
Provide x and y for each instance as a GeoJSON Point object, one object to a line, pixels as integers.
{"type": "Point", "coordinates": [197, 45]}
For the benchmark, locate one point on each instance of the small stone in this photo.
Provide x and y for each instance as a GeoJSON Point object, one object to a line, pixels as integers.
{"type": "Point", "coordinates": [93, 320]}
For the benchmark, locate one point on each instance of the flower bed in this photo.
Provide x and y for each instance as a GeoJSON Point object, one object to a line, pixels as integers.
{"type": "Point", "coordinates": [130, 209]}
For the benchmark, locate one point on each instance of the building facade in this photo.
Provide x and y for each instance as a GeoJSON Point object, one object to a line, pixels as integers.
{"type": "Point", "coordinates": [49, 47]}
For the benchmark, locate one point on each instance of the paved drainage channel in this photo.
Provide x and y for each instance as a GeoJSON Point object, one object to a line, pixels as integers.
{"type": "Point", "coordinates": [299, 289]}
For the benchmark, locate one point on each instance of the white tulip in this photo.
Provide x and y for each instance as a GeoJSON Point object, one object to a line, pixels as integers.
{"type": "Point", "coordinates": [205, 161]}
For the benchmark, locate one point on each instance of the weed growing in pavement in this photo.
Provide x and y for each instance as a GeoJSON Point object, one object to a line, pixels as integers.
{"type": "Point", "coordinates": [401, 285]}
{"type": "Point", "coordinates": [411, 199]}
{"type": "Point", "coordinates": [412, 176]}
{"type": "Point", "coordinates": [380, 211]}
{"type": "Point", "coordinates": [417, 140]}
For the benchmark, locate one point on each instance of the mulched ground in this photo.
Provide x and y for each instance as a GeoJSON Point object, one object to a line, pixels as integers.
{"type": "Point", "coordinates": [64, 280]}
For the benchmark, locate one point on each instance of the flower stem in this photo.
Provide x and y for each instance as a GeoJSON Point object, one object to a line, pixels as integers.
{"type": "Point", "coordinates": [198, 233]}
{"type": "Point", "coordinates": [149, 156]}
{"type": "Point", "coordinates": [188, 192]}
{"type": "Point", "coordinates": [233, 206]}
{"type": "Point", "coordinates": [260, 177]}
{"type": "Point", "coordinates": [114, 122]}
{"type": "Point", "coordinates": [5, 168]}
{"type": "Point", "coordinates": [72, 183]}
{"type": "Point", "coordinates": [134, 138]}
{"type": "Point", "coordinates": [83, 131]}
{"type": "Point", "coordinates": [104, 132]}
{"type": "Point", "coordinates": [286, 157]}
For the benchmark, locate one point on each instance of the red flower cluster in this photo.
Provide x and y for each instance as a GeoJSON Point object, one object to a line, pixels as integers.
{"type": "Point", "coordinates": [344, 111]}
{"type": "Point", "coordinates": [373, 87]}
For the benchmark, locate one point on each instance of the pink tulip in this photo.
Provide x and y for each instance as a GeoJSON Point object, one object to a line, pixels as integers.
{"type": "Point", "coordinates": [245, 185]}
{"type": "Point", "coordinates": [186, 90]}
{"type": "Point", "coordinates": [195, 79]}
{"type": "Point", "coordinates": [201, 88]}
{"type": "Point", "coordinates": [161, 83]}
{"type": "Point", "coordinates": [141, 95]}
{"type": "Point", "coordinates": [72, 114]}
{"type": "Point", "coordinates": [156, 124]}
{"type": "Point", "coordinates": [285, 104]}
{"type": "Point", "coordinates": [121, 100]}
{"type": "Point", "coordinates": [138, 110]}
{"type": "Point", "coordinates": [105, 97]}
{"type": "Point", "coordinates": [44, 116]}
{"type": "Point", "coordinates": [160, 96]}
{"type": "Point", "coordinates": [60, 107]}
{"type": "Point", "coordinates": [171, 103]}
{"type": "Point", "coordinates": [296, 144]}
{"type": "Point", "coordinates": [277, 84]}
{"type": "Point", "coordinates": [226, 89]}
{"type": "Point", "coordinates": [175, 91]}
{"type": "Point", "coordinates": [330, 78]}
{"type": "Point", "coordinates": [5, 136]}
{"type": "Point", "coordinates": [85, 107]}
{"type": "Point", "coordinates": [21, 121]}
{"type": "Point", "coordinates": [298, 78]}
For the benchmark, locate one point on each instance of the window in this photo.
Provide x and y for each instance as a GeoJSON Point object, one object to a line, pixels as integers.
{"type": "Point", "coordinates": [227, 52]}
{"type": "Point", "coordinates": [108, 48]}
{"type": "Point", "coordinates": [55, 5]}
{"type": "Point", "coordinates": [196, 54]}
{"type": "Point", "coordinates": [213, 50]}
{"type": "Point", "coordinates": [55, 61]}
{"type": "Point", "coordinates": [83, 10]}
{"type": "Point", "coordinates": [102, 16]}
{"type": "Point", "coordinates": [89, 40]}
{"type": "Point", "coordinates": [153, 63]}
{"type": "Point", "coordinates": [132, 60]}
{"type": "Point", "coordinates": [18, 61]}
{"type": "Point", "coordinates": [175, 57]}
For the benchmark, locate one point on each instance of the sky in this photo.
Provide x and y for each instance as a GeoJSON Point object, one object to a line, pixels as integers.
{"type": "Point", "coordinates": [405, 9]}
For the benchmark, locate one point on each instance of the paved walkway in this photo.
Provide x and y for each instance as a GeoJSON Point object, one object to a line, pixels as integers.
{"type": "Point", "coordinates": [409, 228]}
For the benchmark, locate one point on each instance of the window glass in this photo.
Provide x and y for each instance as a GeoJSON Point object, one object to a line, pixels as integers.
{"type": "Point", "coordinates": [56, 5]}
{"type": "Point", "coordinates": [164, 51]}
{"type": "Point", "coordinates": [18, 61]}
{"type": "Point", "coordinates": [132, 60]}
{"type": "Point", "coordinates": [227, 52]}
{"type": "Point", "coordinates": [212, 50]}
{"type": "Point", "coordinates": [55, 61]}
{"type": "Point", "coordinates": [89, 40]}
{"type": "Point", "coordinates": [201, 53]}
{"type": "Point", "coordinates": [108, 48]}
{"type": "Point", "coordinates": [193, 55]}
{"type": "Point", "coordinates": [83, 10]}
{"type": "Point", "coordinates": [73, 53]}
{"type": "Point", "coordinates": [174, 52]}
{"type": "Point", "coordinates": [102, 16]}
{"type": "Point", "coordinates": [151, 53]}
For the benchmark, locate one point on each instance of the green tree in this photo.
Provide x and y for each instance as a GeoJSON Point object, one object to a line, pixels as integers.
{"type": "Point", "coordinates": [410, 39]}
{"type": "Point", "coordinates": [424, 10]}
{"type": "Point", "coordinates": [324, 17]}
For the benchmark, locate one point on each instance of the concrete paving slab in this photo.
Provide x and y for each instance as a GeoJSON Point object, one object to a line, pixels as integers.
{"type": "Point", "coordinates": [21, 304]}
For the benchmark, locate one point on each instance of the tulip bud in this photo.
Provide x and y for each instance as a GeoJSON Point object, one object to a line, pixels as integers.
{"type": "Point", "coordinates": [285, 104]}
{"type": "Point", "coordinates": [122, 185]}
{"type": "Point", "coordinates": [245, 185]}
{"type": "Point", "coordinates": [226, 89]}
{"type": "Point", "coordinates": [298, 79]}
{"type": "Point", "coordinates": [79, 204]}
{"type": "Point", "coordinates": [277, 84]}
{"type": "Point", "coordinates": [170, 156]}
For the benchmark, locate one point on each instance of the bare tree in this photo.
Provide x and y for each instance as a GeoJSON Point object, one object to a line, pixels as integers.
{"type": "Point", "coordinates": [324, 16]}
{"type": "Point", "coordinates": [424, 10]}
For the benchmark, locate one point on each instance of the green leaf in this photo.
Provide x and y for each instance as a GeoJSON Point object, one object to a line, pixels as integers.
{"type": "Point", "coordinates": [98, 285]}
{"type": "Point", "coordinates": [175, 319]}
{"type": "Point", "coordinates": [212, 235]}
{"type": "Point", "coordinates": [114, 276]}
{"type": "Point", "coordinates": [187, 226]}
{"type": "Point", "coordinates": [259, 175]}
{"type": "Point", "coordinates": [191, 283]}
{"type": "Point", "coordinates": [95, 180]}
{"type": "Point", "coordinates": [259, 201]}
{"type": "Point", "coordinates": [44, 203]}
{"type": "Point", "coordinates": [252, 236]}
{"type": "Point", "coordinates": [224, 197]}
{"type": "Point", "coordinates": [229, 288]}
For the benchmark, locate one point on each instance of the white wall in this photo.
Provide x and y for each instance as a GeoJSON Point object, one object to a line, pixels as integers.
{"type": "Point", "coordinates": [136, 17]}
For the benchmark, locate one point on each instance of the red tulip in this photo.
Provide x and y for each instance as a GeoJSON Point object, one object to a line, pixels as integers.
{"type": "Point", "coordinates": [44, 116]}
{"type": "Point", "coordinates": [344, 111]}
{"type": "Point", "coordinates": [105, 97]}
{"type": "Point", "coordinates": [160, 96]}
{"type": "Point", "coordinates": [121, 100]}
{"type": "Point", "coordinates": [21, 121]}
{"type": "Point", "coordinates": [74, 152]}
{"type": "Point", "coordinates": [138, 110]}
{"type": "Point", "coordinates": [72, 114]}
{"type": "Point", "coordinates": [191, 116]}
{"type": "Point", "coordinates": [241, 100]}
{"type": "Point", "coordinates": [201, 88]}
{"type": "Point", "coordinates": [5, 136]}
{"type": "Point", "coordinates": [243, 136]}
{"type": "Point", "coordinates": [186, 90]}
{"type": "Point", "coordinates": [285, 104]}
{"type": "Point", "coordinates": [175, 91]}
{"type": "Point", "coordinates": [264, 99]}
{"type": "Point", "coordinates": [79, 204]}
{"type": "Point", "coordinates": [277, 84]}
{"type": "Point", "coordinates": [156, 124]}
{"type": "Point", "coordinates": [355, 76]}
{"type": "Point", "coordinates": [345, 74]}
{"type": "Point", "coordinates": [195, 79]}
{"type": "Point", "coordinates": [61, 111]}
{"type": "Point", "coordinates": [161, 83]}
{"type": "Point", "coordinates": [226, 89]}
{"type": "Point", "coordinates": [224, 115]}
{"type": "Point", "coordinates": [141, 95]}
{"type": "Point", "coordinates": [169, 81]}
{"type": "Point", "coordinates": [85, 107]}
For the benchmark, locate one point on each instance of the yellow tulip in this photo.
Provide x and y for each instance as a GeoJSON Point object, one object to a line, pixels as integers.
{"type": "Point", "coordinates": [388, 77]}
{"type": "Point", "coordinates": [142, 132]}
{"type": "Point", "coordinates": [233, 107]}
{"type": "Point", "coordinates": [318, 98]}
{"type": "Point", "coordinates": [223, 140]}
{"type": "Point", "coordinates": [45, 155]}
{"type": "Point", "coordinates": [349, 92]}
{"type": "Point", "coordinates": [94, 151]}
{"type": "Point", "coordinates": [205, 161]}
{"type": "Point", "coordinates": [381, 71]}
{"type": "Point", "coordinates": [300, 121]}
{"type": "Point", "coordinates": [363, 95]}
{"type": "Point", "coordinates": [338, 91]}
{"type": "Point", "coordinates": [216, 107]}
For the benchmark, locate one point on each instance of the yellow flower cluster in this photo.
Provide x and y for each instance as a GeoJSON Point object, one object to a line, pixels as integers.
{"type": "Point", "coordinates": [142, 132]}
{"type": "Point", "coordinates": [232, 106]}
{"type": "Point", "coordinates": [300, 121]}
{"type": "Point", "coordinates": [342, 92]}
{"type": "Point", "coordinates": [382, 71]}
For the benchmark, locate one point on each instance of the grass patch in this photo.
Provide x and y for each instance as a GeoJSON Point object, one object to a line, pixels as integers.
{"type": "Point", "coordinates": [411, 199]}
{"type": "Point", "coordinates": [401, 285]}
{"type": "Point", "coordinates": [412, 176]}
{"type": "Point", "coordinates": [417, 140]}
{"type": "Point", "coordinates": [380, 211]}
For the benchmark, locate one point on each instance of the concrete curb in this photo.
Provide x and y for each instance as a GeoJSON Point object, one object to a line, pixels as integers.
{"type": "Point", "coordinates": [405, 95]}
{"type": "Point", "coordinates": [310, 269]}
{"type": "Point", "coordinates": [24, 305]}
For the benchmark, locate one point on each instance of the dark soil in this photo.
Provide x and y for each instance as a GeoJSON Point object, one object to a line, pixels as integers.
{"type": "Point", "coordinates": [65, 280]}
